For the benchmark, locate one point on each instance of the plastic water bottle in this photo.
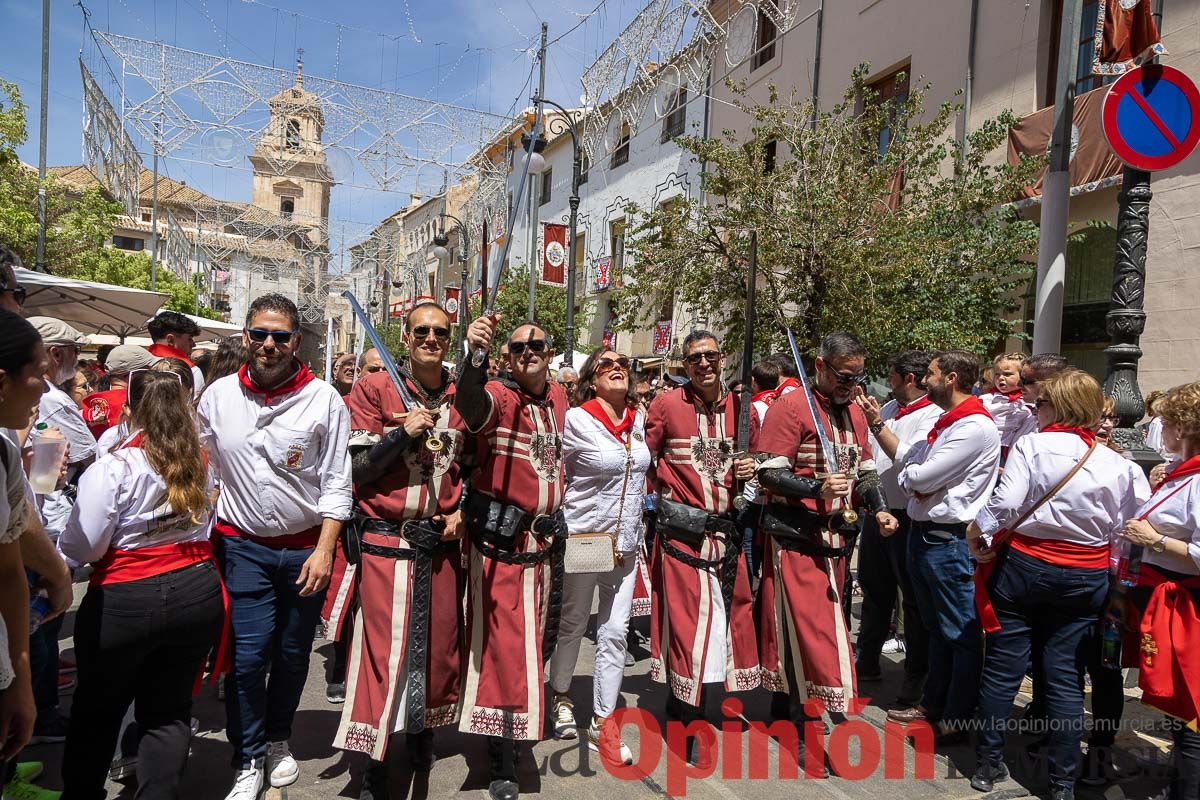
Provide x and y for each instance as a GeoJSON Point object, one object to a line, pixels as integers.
{"type": "Point", "coordinates": [1110, 641]}
{"type": "Point", "coordinates": [1129, 564]}
{"type": "Point", "coordinates": [39, 607]}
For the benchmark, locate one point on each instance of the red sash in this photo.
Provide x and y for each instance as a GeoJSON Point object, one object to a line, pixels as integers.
{"type": "Point", "coordinates": [1168, 661]}
{"type": "Point", "coordinates": [1063, 554]}
{"type": "Point", "coordinates": [166, 351]}
{"type": "Point", "coordinates": [972, 405]}
{"type": "Point", "coordinates": [123, 566]}
{"type": "Point", "coordinates": [288, 541]}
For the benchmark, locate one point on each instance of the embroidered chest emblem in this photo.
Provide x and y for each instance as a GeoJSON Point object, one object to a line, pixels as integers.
{"type": "Point", "coordinates": [847, 459]}
{"type": "Point", "coordinates": [712, 457]}
{"type": "Point", "coordinates": [545, 451]}
{"type": "Point", "coordinates": [294, 458]}
{"type": "Point", "coordinates": [432, 464]}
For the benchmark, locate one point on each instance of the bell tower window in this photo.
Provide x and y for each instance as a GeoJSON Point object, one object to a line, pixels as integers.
{"type": "Point", "coordinates": [292, 139]}
{"type": "Point", "coordinates": [287, 205]}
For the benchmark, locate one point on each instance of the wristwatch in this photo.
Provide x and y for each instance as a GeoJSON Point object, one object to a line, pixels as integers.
{"type": "Point", "coordinates": [875, 427]}
{"type": "Point", "coordinates": [1161, 545]}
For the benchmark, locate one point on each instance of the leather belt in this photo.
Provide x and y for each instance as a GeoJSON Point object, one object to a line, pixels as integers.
{"type": "Point", "coordinates": [802, 531]}
{"type": "Point", "coordinates": [726, 565]}
{"type": "Point", "coordinates": [425, 538]}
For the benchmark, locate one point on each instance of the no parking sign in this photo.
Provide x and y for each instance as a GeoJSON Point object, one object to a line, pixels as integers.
{"type": "Point", "coordinates": [1152, 117]}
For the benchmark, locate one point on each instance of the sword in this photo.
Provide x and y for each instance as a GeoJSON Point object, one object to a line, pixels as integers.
{"type": "Point", "coordinates": [849, 515]}
{"type": "Point", "coordinates": [490, 291]}
{"type": "Point", "coordinates": [409, 402]}
{"type": "Point", "coordinates": [743, 434]}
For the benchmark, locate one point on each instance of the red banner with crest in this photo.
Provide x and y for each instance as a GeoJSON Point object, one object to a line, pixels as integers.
{"type": "Point", "coordinates": [662, 337]}
{"type": "Point", "coordinates": [451, 302]}
{"type": "Point", "coordinates": [554, 253]}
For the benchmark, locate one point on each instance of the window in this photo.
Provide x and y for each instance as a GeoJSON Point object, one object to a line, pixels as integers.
{"type": "Point", "coordinates": [621, 151]}
{"type": "Point", "coordinates": [292, 139]}
{"type": "Point", "coordinates": [584, 165]}
{"type": "Point", "coordinates": [580, 251]}
{"type": "Point", "coordinates": [1085, 81]}
{"type": "Point", "coordinates": [616, 242]}
{"type": "Point", "coordinates": [891, 93]}
{"type": "Point", "coordinates": [764, 45]}
{"type": "Point", "coordinates": [547, 183]}
{"type": "Point", "coordinates": [769, 150]}
{"type": "Point", "coordinates": [145, 216]}
{"type": "Point", "coordinates": [1086, 296]}
{"type": "Point", "coordinates": [287, 206]}
{"type": "Point", "coordinates": [128, 243]}
{"type": "Point", "coordinates": [673, 123]}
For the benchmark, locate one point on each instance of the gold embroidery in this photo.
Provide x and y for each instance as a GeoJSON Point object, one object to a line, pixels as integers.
{"type": "Point", "coordinates": [1149, 648]}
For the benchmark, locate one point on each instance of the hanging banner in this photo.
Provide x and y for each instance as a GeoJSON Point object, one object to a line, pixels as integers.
{"type": "Point", "coordinates": [1093, 163]}
{"type": "Point", "coordinates": [610, 339]}
{"type": "Point", "coordinates": [554, 253]}
{"type": "Point", "coordinates": [1126, 36]}
{"type": "Point", "coordinates": [451, 302]}
{"type": "Point", "coordinates": [662, 337]}
{"type": "Point", "coordinates": [603, 268]}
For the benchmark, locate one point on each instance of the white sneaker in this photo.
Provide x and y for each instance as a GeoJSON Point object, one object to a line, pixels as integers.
{"type": "Point", "coordinates": [594, 744]}
{"type": "Point", "coordinates": [247, 785]}
{"type": "Point", "coordinates": [894, 645]}
{"type": "Point", "coordinates": [282, 769]}
{"type": "Point", "coordinates": [565, 726]}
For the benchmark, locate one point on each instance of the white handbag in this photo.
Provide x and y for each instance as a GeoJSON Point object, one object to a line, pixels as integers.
{"type": "Point", "coordinates": [590, 553]}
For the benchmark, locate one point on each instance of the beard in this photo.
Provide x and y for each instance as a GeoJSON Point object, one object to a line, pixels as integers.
{"type": "Point", "coordinates": [65, 373]}
{"type": "Point", "coordinates": [271, 374]}
{"type": "Point", "coordinates": [939, 395]}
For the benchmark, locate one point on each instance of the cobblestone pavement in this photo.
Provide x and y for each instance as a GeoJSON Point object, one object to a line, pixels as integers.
{"type": "Point", "coordinates": [568, 769]}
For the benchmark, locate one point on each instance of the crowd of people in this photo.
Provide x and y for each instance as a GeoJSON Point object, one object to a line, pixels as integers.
{"type": "Point", "coordinates": [451, 531]}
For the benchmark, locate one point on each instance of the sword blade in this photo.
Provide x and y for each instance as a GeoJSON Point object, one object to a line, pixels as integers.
{"type": "Point", "coordinates": [822, 437]}
{"type": "Point", "coordinates": [389, 364]}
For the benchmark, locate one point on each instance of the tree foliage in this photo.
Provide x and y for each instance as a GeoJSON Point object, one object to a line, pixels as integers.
{"type": "Point", "coordinates": [549, 306]}
{"type": "Point", "coordinates": [79, 225]}
{"type": "Point", "coordinates": [911, 248]}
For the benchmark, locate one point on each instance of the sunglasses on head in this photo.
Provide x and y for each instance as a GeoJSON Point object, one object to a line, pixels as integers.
{"type": "Point", "coordinates": [607, 364]}
{"type": "Point", "coordinates": [711, 356]}
{"type": "Point", "coordinates": [138, 378]}
{"type": "Point", "coordinates": [19, 294]}
{"type": "Point", "coordinates": [260, 335]}
{"type": "Point", "coordinates": [534, 345]}
{"type": "Point", "coordinates": [423, 331]}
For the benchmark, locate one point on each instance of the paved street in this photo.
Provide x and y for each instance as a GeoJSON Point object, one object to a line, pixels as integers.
{"type": "Point", "coordinates": [558, 769]}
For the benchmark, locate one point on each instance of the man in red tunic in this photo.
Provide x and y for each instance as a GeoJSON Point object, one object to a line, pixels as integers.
{"type": "Point", "coordinates": [804, 639]}
{"type": "Point", "coordinates": [405, 666]}
{"type": "Point", "coordinates": [516, 530]}
{"type": "Point", "coordinates": [702, 616]}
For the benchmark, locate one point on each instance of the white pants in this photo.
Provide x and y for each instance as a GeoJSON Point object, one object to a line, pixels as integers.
{"type": "Point", "coordinates": [612, 623]}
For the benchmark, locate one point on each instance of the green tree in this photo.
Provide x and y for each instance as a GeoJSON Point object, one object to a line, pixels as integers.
{"type": "Point", "coordinates": [908, 248]}
{"type": "Point", "coordinates": [549, 306]}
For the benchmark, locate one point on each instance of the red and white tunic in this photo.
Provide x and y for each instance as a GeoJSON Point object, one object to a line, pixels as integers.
{"type": "Point", "coordinates": [421, 483]}
{"type": "Point", "coordinates": [520, 462]}
{"type": "Point", "coordinates": [693, 640]}
{"type": "Point", "coordinates": [803, 640]}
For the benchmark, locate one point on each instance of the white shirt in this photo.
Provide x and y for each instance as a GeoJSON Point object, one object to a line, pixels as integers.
{"type": "Point", "coordinates": [13, 512]}
{"type": "Point", "coordinates": [1153, 433]}
{"type": "Point", "coordinates": [1178, 518]}
{"type": "Point", "coordinates": [910, 429]}
{"type": "Point", "coordinates": [58, 410]}
{"type": "Point", "coordinates": [596, 463]}
{"type": "Point", "coordinates": [283, 467]}
{"type": "Point", "coordinates": [1089, 510]}
{"type": "Point", "coordinates": [1014, 418]}
{"type": "Point", "coordinates": [955, 474]}
{"type": "Point", "coordinates": [123, 505]}
{"type": "Point", "coordinates": [758, 408]}
{"type": "Point", "coordinates": [112, 438]}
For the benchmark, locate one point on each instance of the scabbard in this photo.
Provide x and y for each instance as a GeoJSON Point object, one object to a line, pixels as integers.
{"type": "Point", "coordinates": [554, 603]}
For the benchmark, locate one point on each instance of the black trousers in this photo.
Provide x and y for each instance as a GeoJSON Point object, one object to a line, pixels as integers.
{"type": "Point", "coordinates": [142, 642]}
{"type": "Point", "coordinates": [882, 570]}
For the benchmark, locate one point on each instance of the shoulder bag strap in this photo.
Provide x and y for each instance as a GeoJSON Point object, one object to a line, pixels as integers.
{"type": "Point", "coordinates": [1010, 529]}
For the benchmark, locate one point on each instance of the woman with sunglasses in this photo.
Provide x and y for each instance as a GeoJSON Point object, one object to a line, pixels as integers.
{"type": "Point", "coordinates": [606, 458]}
{"type": "Point", "coordinates": [154, 607]}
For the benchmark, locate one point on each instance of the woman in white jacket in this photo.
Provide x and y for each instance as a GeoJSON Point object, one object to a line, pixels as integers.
{"type": "Point", "coordinates": [604, 449]}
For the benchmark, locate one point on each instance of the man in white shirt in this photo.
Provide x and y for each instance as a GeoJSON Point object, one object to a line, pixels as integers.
{"type": "Point", "coordinates": [901, 423]}
{"type": "Point", "coordinates": [278, 439]}
{"type": "Point", "coordinates": [948, 479]}
{"type": "Point", "coordinates": [1035, 370]}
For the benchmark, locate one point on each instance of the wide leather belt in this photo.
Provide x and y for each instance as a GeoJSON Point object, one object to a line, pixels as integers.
{"type": "Point", "coordinates": [802, 531]}
{"type": "Point", "coordinates": [425, 539]}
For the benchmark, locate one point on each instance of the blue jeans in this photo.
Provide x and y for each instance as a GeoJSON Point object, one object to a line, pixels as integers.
{"type": "Point", "coordinates": [1057, 607]}
{"type": "Point", "coordinates": [43, 668]}
{"type": "Point", "coordinates": [273, 631]}
{"type": "Point", "coordinates": [942, 575]}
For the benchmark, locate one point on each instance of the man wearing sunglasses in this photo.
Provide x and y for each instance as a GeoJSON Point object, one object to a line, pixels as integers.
{"type": "Point", "coordinates": [408, 480]}
{"type": "Point", "coordinates": [812, 529]}
{"type": "Point", "coordinates": [278, 440]}
{"type": "Point", "coordinates": [703, 605]}
{"type": "Point", "coordinates": [516, 527]}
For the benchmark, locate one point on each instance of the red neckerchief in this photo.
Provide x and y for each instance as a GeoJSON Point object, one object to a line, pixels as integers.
{"type": "Point", "coordinates": [166, 351]}
{"type": "Point", "coordinates": [619, 430]}
{"type": "Point", "coordinates": [972, 405]}
{"type": "Point", "coordinates": [1013, 396]}
{"type": "Point", "coordinates": [1182, 470]}
{"type": "Point", "coordinates": [787, 383]}
{"type": "Point", "coordinates": [915, 405]}
{"type": "Point", "coordinates": [768, 396]}
{"type": "Point", "coordinates": [302, 377]}
{"type": "Point", "coordinates": [1086, 434]}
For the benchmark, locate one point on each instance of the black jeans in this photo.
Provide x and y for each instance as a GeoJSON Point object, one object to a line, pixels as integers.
{"type": "Point", "coordinates": [142, 642]}
{"type": "Point", "coordinates": [43, 668]}
{"type": "Point", "coordinates": [1056, 608]}
{"type": "Point", "coordinates": [882, 569]}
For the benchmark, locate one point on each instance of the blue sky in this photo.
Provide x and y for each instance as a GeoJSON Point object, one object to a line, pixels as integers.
{"type": "Point", "coordinates": [473, 52]}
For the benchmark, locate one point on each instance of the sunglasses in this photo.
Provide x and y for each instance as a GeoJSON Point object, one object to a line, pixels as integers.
{"type": "Point", "coordinates": [534, 345]}
{"type": "Point", "coordinates": [423, 331]}
{"type": "Point", "coordinates": [607, 364]}
{"type": "Point", "coordinates": [19, 294]}
{"type": "Point", "coordinates": [845, 378]}
{"type": "Point", "coordinates": [260, 335]}
{"type": "Point", "coordinates": [711, 356]}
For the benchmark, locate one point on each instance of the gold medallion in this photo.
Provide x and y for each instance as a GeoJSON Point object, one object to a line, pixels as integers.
{"type": "Point", "coordinates": [433, 444]}
{"type": "Point", "coordinates": [849, 516]}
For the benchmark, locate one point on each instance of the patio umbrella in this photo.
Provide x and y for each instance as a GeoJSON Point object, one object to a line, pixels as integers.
{"type": "Point", "coordinates": [90, 307]}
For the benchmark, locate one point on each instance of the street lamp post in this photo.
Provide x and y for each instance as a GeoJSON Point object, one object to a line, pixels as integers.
{"type": "Point", "coordinates": [566, 122]}
{"type": "Point", "coordinates": [441, 252]}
